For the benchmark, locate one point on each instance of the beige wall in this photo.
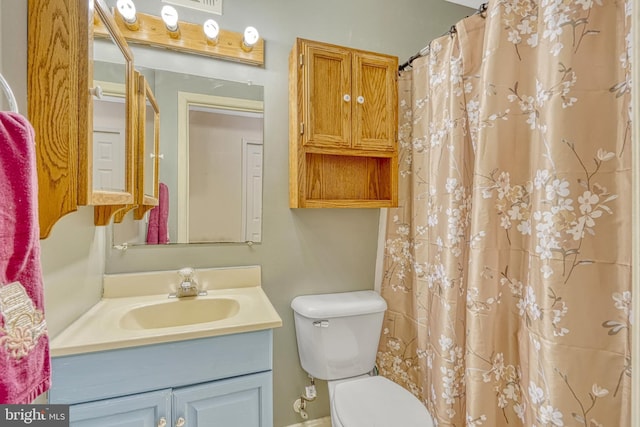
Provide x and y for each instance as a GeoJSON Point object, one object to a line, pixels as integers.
{"type": "Point", "coordinates": [302, 251]}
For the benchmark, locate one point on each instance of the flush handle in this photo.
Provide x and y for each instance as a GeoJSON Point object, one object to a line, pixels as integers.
{"type": "Point", "coordinates": [321, 323]}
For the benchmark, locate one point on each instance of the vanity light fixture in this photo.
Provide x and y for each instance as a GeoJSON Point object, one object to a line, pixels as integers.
{"type": "Point", "coordinates": [127, 10]}
{"type": "Point", "coordinates": [167, 32]}
{"type": "Point", "coordinates": [211, 31]}
{"type": "Point", "coordinates": [169, 16]}
{"type": "Point", "coordinates": [250, 38]}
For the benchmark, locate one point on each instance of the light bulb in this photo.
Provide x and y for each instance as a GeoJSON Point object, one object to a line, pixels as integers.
{"type": "Point", "coordinates": [250, 38]}
{"type": "Point", "coordinates": [128, 10]}
{"type": "Point", "coordinates": [211, 30]}
{"type": "Point", "coordinates": [170, 17]}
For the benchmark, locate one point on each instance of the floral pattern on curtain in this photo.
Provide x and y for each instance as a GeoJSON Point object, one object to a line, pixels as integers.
{"type": "Point", "coordinates": [507, 266]}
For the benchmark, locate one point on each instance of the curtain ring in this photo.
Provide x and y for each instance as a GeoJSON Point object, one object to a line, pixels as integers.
{"type": "Point", "coordinates": [482, 10]}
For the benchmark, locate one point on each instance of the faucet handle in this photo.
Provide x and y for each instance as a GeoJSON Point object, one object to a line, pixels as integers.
{"type": "Point", "coordinates": [186, 273]}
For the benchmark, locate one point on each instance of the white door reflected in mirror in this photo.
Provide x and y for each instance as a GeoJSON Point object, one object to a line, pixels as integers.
{"type": "Point", "coordinates": [223, 154]}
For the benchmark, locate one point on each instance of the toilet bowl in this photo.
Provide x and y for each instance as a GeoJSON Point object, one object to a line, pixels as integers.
{"type": "Point", "coordinates": [337, 336]}
{"type": "Point", "coordinates": [375, 401]}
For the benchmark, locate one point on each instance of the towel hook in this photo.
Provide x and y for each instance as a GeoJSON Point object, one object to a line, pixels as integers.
{"type": "Point", "coordinates": [9, 94]}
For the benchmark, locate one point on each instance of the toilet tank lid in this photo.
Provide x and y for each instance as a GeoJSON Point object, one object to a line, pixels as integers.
{"type": "Point", "coordinates": [323, 306]}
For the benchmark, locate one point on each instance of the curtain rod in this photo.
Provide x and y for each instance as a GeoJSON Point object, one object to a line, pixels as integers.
{"type": "Point", "coordinates": [425, 50]}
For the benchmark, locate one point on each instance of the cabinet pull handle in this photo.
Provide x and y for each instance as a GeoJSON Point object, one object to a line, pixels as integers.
{"type": "Point", "coordinates": [153, 156]}
{"type": "Point", "coordinates": [180, 422]}
{"type": "Point", "coordinates": [96, 92]}
{"type": "Point", "coordinates": [162, 422]}
{"type": "Point", "coordinates": [361, 99]}
{"type": "Point", "coordinates": [346, 97]}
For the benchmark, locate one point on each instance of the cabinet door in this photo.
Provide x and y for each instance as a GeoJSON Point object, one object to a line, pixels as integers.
{"type": "Point", "coordinates": [375, 113]}
{"type": "Point", "coordinates": [327, 96]}
{"type": "Point", "coordinates": [244, 401]}
{"type": "Point", "coordinates": [148, 151]}
{"type": "Point", "coordinates": [73, 169]}
{"type": "Point", "coordinates": [140, 410]}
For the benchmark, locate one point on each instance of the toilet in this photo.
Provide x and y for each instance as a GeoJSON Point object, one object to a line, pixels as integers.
{"type": "Point", "coordinates": [338, 337]}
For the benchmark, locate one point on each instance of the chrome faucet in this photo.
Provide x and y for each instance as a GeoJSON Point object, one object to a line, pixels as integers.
{"type": "Point", "coordinates": [188, 287]}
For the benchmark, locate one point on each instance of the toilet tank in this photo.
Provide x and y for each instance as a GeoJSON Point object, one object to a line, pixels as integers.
{"type": "Point", "coordinates": [338, 334]}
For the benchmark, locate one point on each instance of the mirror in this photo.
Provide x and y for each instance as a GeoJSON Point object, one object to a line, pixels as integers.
{"type": "Point", "coordinates": [109, 137]}
{"type": "Point", "coordinates": [211, 154]}
{"type": "Point", "coordinates": [221, 143]}
{"type": "Point", "coordinates": [110, 153]}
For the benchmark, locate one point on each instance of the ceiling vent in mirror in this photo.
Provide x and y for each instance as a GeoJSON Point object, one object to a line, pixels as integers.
{"type": "Point", "coordinates": [209, 6]}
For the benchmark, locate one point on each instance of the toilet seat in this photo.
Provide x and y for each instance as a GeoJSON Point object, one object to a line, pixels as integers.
{"type": "Point", "coordinates": [377, 401]}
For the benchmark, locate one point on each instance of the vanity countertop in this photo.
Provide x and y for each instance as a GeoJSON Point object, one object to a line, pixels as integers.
{"type": "Point", "coordinates": [102, 327]}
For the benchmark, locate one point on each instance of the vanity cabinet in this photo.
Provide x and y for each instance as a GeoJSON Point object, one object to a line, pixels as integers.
{"type": "Point", "coordinates": [234, 402]}
{"type": "Point", "coordinates": [77, 163]}
{"type": "Point", "coordinates": [224, 380]}
{"type": "Point", "coordinates": [146, 154]}
{"type": "Point", "coordinates": [148, 150]}
{"type": "Point", "coordinates": [342, 127]}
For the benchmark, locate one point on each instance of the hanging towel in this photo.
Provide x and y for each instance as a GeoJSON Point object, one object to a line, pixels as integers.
{"type": "Point", "coordinates": [152, 227]}
{"type": "Point", "coordinates": [158, 228]}
{"type": "Point", "coordinates": [163, 214]}
{"type": "Point", "coordinates": [25, 367]}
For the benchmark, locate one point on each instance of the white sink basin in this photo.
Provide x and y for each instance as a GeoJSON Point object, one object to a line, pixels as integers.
{"type": "Point", "coordinates": [135, 310]}
{"type": "Point", "coordinates": [179, 312]}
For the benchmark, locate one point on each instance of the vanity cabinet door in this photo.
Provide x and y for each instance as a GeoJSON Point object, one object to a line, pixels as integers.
{"type": "Point", "coordinates": [349, 98]}
{"type": "Point", "coordinates": [244, 401]}
{"type": "Point", "coordinates": [326, 84]}
{"type": "Point", "coordinates": [148, 151]}
{"type": "Point", "coordinates": [78, 164]}
{"type": "Point", "coordinates": [375, 110]}
{"type": "Point", "coordinates": [150, 409]}
{"type": "Point", "coordinates": [146, 157]}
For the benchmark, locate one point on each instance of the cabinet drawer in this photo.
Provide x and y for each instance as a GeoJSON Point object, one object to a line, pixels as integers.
{"type": "Point", "coordinates": [101, 375]}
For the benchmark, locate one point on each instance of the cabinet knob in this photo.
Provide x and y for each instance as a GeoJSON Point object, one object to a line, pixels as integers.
{"type": "Point", "coordinates": [180, 422]}
{"type": "Point", "coordinates": [162, 422]}
{"type": "Point", "coordinates": [96, 92]}
{"type": "Point", "coordinates": [361, 99]}
{"type": "Point", "coordinates": [346, 97]}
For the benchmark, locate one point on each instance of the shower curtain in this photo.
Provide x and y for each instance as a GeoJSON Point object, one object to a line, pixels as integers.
{"type": "Point", "coordinates": [507, 265]}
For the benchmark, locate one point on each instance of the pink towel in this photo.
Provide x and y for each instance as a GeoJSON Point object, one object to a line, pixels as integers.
{"type": "Point", "coordinates": [25, 368]}
{"type": "Point", "coordinates": [158, 228]}
{"type": "Point", "coordinates": [152, 227]}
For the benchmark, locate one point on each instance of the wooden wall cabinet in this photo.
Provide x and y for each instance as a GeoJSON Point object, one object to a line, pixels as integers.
{"type": "Point", "coordinates": [60, 107]}
{"type": "Point", "coordinates": [343, 126]}
{"type": "Point", "coordinates": [146, 127]}
{"type": "Point", "coordinates": [148, 151]}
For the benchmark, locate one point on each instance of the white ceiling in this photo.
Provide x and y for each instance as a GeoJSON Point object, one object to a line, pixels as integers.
{"type": "Point", "coordinates": [475, 4]}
